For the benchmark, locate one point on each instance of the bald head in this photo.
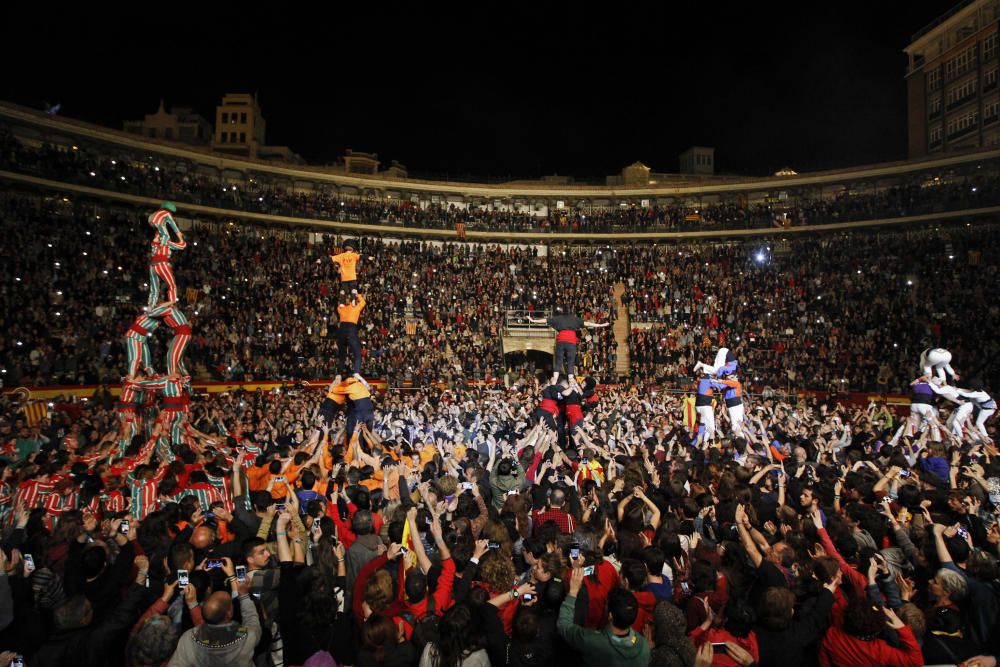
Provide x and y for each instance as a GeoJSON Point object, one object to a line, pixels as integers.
{"type": "Point", "coordinates": [218, 608]}
{"type": "Point", "coordinates": [202, 537]}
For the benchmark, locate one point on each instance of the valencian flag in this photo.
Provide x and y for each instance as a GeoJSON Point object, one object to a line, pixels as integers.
{"type": "Point", "coordinates": [460, 229]}
{"type": "Point", "coordinates": [411, 328]}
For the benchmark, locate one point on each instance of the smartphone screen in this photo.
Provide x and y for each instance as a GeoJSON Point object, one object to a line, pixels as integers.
{"type": "Point", "coordinates": [213, 564]}
{"type": "Point", "coordinates": [29, 563]}
{"type": "Point", "coordinates": [574, 553]}
{"type": "Point", "coordinates": [241, 573]}
{"type": "Point", "coordinates": [182, 578]}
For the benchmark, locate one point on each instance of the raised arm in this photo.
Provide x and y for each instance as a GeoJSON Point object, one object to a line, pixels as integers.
{"type": "Point", "coordinates": [743, 526]}
{"type": "Point", "coordinates": [418, 546]}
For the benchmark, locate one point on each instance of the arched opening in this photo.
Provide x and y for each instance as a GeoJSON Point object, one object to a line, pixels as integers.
{"type": "Point", "coordinates": [533, 362]}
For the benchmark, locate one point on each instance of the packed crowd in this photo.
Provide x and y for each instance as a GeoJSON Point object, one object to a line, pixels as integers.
{"type": "Point", "coordinates": [262, 302]}
{"type": "Point", "coordinates": [118, 169]}
{"type": "Point", "coordinates": [458, 531]}
{"type": "Point", "coordinates": [831, 313]}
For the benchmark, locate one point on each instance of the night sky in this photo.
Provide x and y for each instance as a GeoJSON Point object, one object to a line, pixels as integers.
{"type": "Point", "coordinates": [513, 92]}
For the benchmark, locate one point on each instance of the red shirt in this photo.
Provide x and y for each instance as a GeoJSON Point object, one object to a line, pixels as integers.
{"type": "Point", "coordinates": [840, 648]}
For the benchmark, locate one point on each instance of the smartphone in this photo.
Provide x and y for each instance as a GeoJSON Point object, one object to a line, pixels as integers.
{"type": "Point", "coordinates": [403, 550]}
{"type": "Point", "coordinates": [279, 478]}
{"type": "Point", "coordinates": [279, 506]}
{"type": "Point", "coordinates": [213, 564]}
{"type": "Point", "coordinates": [182, 578]}
{"type": "Point", "coordinates": [904, 473]}
{"type": "Point", "coordinates": [29, 564]}
{"type": "Point", "coordinates": [467, 486]}
{"type": "Point", "coordinates": [527, 597]}
{"type": "Point", "coordinates": [493, 545]}
{"type": "Point", "coordinates": [963, 532]}
{"type": "Point", "coordinates": [584, 461]}
{"type": "Point", "coordinates": [123, 527]}
{"type": "Point", "coordinates": [686, 587]}
{"type": "Point", "coordinates": [574, 553]}
{"type": "Point", "coordinates": [241, 573]}
{"type": "Point", "coordinates": [718, 647]}
{"type": "Point", "coordinates": [17, 661]}
{"type": "Point", "coordinates": [589, 570]}
{"type": "Point", "coordinates": [209, 514]}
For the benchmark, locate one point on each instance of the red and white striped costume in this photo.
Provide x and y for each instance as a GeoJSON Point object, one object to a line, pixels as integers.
{"type": "Point", "coordinates": [159, 257]}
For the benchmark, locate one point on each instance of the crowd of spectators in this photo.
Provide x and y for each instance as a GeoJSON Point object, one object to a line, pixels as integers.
{"type": "Point", "coordinates": [262, 302]}
{"type": "Point", "coordinates": [851, 311]}
{"type": "Point", "coordinates": [122, 170]}
{"type": "Point", "coordinates": [456, 532]}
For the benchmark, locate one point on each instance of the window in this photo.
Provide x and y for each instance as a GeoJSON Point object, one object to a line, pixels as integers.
{"type": "Point", "coordinates": [934, 108]}
{"type": "Point", "coordinates": [243, 117]}
{"type": "Point", "coordinates": [961, 93]}
{"type": "Point", "coordinates": [990, 79]}
{"type": "Point", "coordinates": [225, 137]}
{"type": "Point", "coordinates": [934, 80]}
{"type": "Point", "coordinates": [225, 117]}
{"type": "Point", "coordinates": [963, 124]}
{"type": "Point", "coordinates": [935, 135]}
{"type": "Point", "coordinates": [243, 137]}
{"type": "Point", "coordinates": [960, 64]}
{"type": "Point", "coordinates": [991, 110]}
{"type": "Point", "coordinates": [232, 137]}
{"type": "Point", "coordinates": [990, 47]}
{"type": "Point", "coordinates": [168, 133]}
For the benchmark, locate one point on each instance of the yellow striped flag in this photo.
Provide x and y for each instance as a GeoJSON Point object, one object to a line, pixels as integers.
{"type": "Point", "coordinates": [411, 327]}
{"type": "Point", "coordinates": [690, 414]}
{"type": "Point", "coordinates": [35, 412]}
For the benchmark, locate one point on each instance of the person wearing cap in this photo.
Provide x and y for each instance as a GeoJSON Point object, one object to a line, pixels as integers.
{"type": "Point", "coordinates": [162, 245]}
{"type": "Point", "coordinates": [347, 264]}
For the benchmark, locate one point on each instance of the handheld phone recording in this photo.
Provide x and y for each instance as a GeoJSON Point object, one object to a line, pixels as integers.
{"type": "Point", "coordinates": [182, 578]}
{"type": "Point", "coordinates": [29, 563]}
{"type": "Point", "coordinates": [241, 573]}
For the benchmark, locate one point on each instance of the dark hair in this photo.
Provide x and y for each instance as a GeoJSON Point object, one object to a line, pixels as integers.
{"type": "Point", "coordinates": [739, 617]}
{"type": "Point", "coordinates": [416, 586]}
{"type": "Point", "coordinates": [93, 561]}
{"type": "Point", "coordinates": [863, 619]}
{"type": "Point", "coordinates": [654, 559]}
{"type": "Point", "coordinates": [307, 480]}
{"type": "Point", "coordinates": [776, 607]}
{"type": "Point", "coordinates": [958, 548]}
{"type": "Point", "coordinates": [72, 614]}
{"type": "Point", "coordinates": [261, 500]}
{"type": "Point", "coordinates": [249, 544]}
{"type": "Point", "coordinates": [377, 633]}
{"type": "Point", "coordinates": [623, 608]}
{"type": "Point", "coordinates": [634, 572]}
{"type": "Point", "coordinates": [362, 523]}
{"type": "Point", "coordinates": [460, 634]}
